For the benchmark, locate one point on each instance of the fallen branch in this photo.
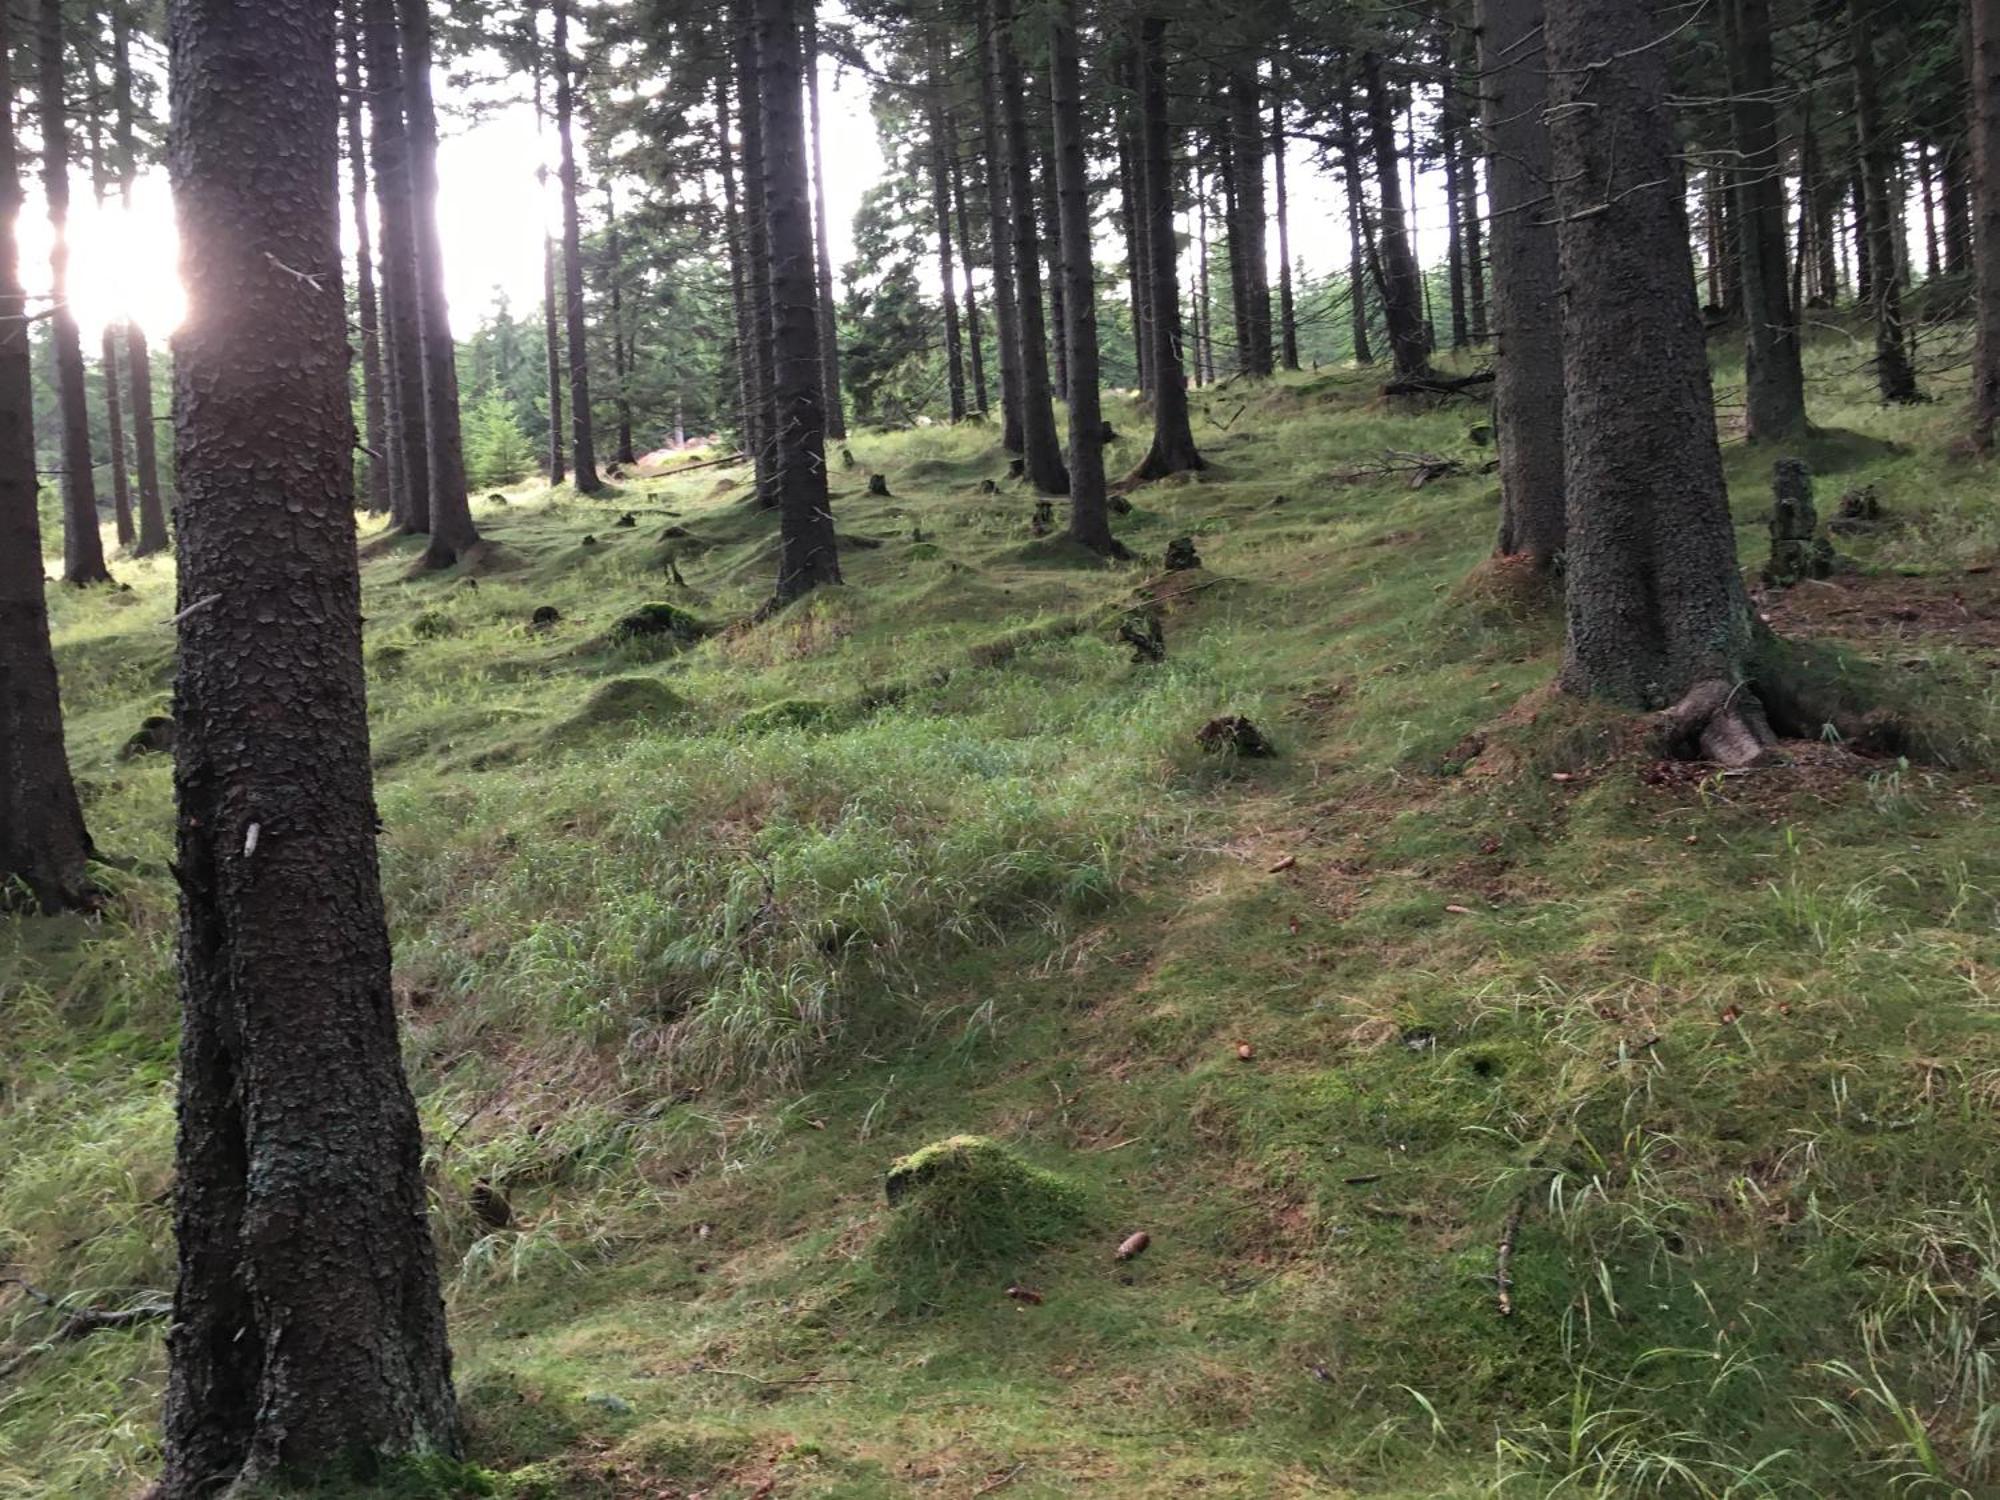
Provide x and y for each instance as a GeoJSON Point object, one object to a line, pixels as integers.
{"type": "Point", "coordinates": [706, 463]}
{"type": "Point", "coordinates": [1438, 385]}
{"type": "Point", "coordinates": [1003, 1481]}
{"type": "Point", "coordinates": [779, 1380]}
{"type": "Point", "coordinates": [1503, 1260]}
{"type": "Point", "coordinates": [80, 1322]}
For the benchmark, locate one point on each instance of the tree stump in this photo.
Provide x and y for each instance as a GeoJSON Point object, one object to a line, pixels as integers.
{"type": "Point", "coordinates": [1181, 555]}
{"type": "Point", "coordinates": [544, 617]}
{"type": "Point", "coordinates": [1142, 632]}
{"type": "Point", "coordinates": [627, 520]}
{"type": "Point", "coordinates": [1232, 734]}
{"type": "Point", "coordinates": [1798, 552]}
{"type": "Point", "coordinates": [1045, 518]}
{"type": "Point", "coordinates": [1861, 511]}
{"type": "Point", "coordinates": [846, 458]}
{"type": "Point", "coordinates": [155, 735]}
{"type": "Point", "coordinates": [988, 487]}
{"type": "Point", "coordinates": [878, 484]}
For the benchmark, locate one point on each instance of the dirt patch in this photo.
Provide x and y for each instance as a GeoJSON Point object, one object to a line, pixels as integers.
{"type": "Point", "coordinates": [1892, 617]}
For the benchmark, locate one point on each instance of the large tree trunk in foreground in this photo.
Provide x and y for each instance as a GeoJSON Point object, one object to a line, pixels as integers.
{"type": "Point", "coordinates": [1000, 230]}
{"type": "Point", "coordinates": [805, 523]}
{"type": "Point", "coordinates": [829, 339]}
{"type": "Point", "coordinates": [373, 410]}
{"type": "Point", "coordinates": [1894, 377]}
{"type": "Point", "coordinates": [1040, 445]}
{"type": "Point", "coordinates": [452, 532]}
{"type": "Point", "coordinates": [1657, 610]}
{"type": "Point", "coordinates": [1402, 281]}
{"type": "Point", "coordinates": [1986, 195]}
{"type": "Point", "coordinates": [138, 358]}
{"type": "Point", "coordinates": [43, 845]}
{"type": "Point", "coordinates": [1173, 449]}
{"type": "Point", "coordinates": [308, 1331]}
{"type": "Point", "coordinates": [83, 541]}
{"type": "Point", "coordinates": [1528, 383]}
{"type": "Point", "coordinates": [401, 315]}
{"type": "Point", "coordinates": [1089, 515]}
{"type": "Point", "coordinates": [1776, 388]}
{"type": "Point", "coordinates": [582, 444]}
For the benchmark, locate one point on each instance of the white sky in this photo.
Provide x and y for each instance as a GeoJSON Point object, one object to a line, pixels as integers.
{"type": "Point", "coordinates": [492, 221]}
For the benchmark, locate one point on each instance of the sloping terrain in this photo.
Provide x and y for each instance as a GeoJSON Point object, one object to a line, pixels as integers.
{"type": "Point", "coordinates": [702, 924]}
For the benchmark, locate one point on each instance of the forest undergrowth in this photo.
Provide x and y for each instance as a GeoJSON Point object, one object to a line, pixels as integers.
{"type": "Point", "coordinates": [1510, 1111]}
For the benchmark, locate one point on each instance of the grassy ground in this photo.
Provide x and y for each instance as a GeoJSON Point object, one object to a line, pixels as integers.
{"type": "Point", "coordinates": [693, 942]}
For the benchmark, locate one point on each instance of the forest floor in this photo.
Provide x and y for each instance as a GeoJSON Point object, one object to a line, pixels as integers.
{"type": "Point", "coordinates": [695, 939]}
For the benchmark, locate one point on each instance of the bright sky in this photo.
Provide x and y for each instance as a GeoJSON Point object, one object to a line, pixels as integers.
{"type": "Point", "coordinates": [492, 229]}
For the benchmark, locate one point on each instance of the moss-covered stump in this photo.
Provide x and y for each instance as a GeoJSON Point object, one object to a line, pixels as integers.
{"type": "Point", "coordinates": [660, 622]}
{"type": "Point", "coordinates": [970, 1201]}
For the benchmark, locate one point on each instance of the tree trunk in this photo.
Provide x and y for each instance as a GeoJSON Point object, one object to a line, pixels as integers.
{"type": "Point", "coordinates": [1246, 154]}
{"type": "Point", "coordinates": [621, 344]}
{"type": "Point", "coordinates": [1288, 322]}
{"type": "Point", "coordinates": [757, 253]}
{"type": "Point", "coordinates": [138, 358]}
{"type": "Point", "coordinates": [1132, 218]}
{"type": "Point", "coordinates": [1089, 513]}
{"type": "Point", "coordinates": [1173, 449]}
{"type": "Point", "coordinates": [83, 539]}
{"type": "Point", "coordinates": [1960, 233]}
{"type": "Point", "coordinates": [973, 336]}
{"type": "Point", "coordinates": [1232, 234]}
{"type": "Point", "coordinates": [805, 523]}
{"type": "Point", "coordinates": [557, 463]}
{"type": "Point", "coordinates": [999, 226]}
{"type": "Point", "coordinates": [748, 341]}
{"type": "Point", "coordinates": [1449, 131]}
{"type": "Point", "coordinates": [1357, 236]}
{"type": "Point", "coordinates": [373, 412]}
{"type": "Point", "coordinates": [1528, 380]}
{"type": "Point", "coordinates": [1402, 283]}
{"type": "Point", "coordinates": [43, 844]}
{"type": "Point", "coordinates": [114, 432]}
{"type": "Point", "coordinates": [1776, 388]}
{"type": "Point", "coordinates": [400, 314]}
{"type": "Point", "coordinates": [1894, 377]}
{"type": "Point", "coordinates": [829, 341]}
{"type": "Point", "coordinates": [1656, 606]}
{"type": "Point", "coordinates": [1045, 192]}
{"type": "Point", "coordinates": [1041, 447]}
{"type": "Point", "coordinates": [1204, 310]}
{"type": "Point", "coordinates": [1985, 144]}
{"type": "Point", "coordinates": [308, 1330]}
{"type": "Point", "coordinates": [954, 352]}
{"type": "Point", "coordinates": [452, 532]}
{"type": "Point", "coordinates": [582, 442]}
{"type": "Point", "coordinates": [1927, 196]}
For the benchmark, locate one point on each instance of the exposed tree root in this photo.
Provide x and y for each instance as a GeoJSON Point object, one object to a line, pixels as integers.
{"type": "Point", "coordinates": [1719, 721]}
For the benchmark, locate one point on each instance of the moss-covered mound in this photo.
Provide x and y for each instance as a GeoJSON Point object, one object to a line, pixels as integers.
{"type": "Point", "coordinates": [968, 1201]}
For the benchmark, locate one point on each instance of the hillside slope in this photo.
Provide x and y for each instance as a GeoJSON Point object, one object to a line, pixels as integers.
{"type": "Point", "coordinates": [696, 937]}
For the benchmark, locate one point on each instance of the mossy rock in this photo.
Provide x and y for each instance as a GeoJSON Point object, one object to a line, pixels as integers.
{"type": "Point", "coordinates": [795, 713]}
{"type": "Point", "coordinates": [660, 621]}
{"type": "Point", "coordinates": [970, 1201]}
{"type": "Point", "coordinates": [432, 624]}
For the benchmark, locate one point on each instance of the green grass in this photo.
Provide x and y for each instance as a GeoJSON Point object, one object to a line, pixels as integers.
{"type": "Point", "coordinates": [696, 937]}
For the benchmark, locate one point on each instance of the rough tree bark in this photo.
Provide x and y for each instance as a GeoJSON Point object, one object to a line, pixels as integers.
{"type": "Point", "coordinates": [400, 315]}
{"type": "Point", "coordinates": [1894, 377]}
{"type": "Point", "coordinates": [582, 441]}
{"type": "Point", "coordinates": [138, 357]}
{"type": "Point", "coordinates": [999, 230]}
{"type": "Point", "coordinates": [807, 557]}
{"type": "Point", "coordinates": [1173, 449]}
{"type": "Point", "coordinates": [829, 340]}
{"type": "Point", "coordinates": [374, 415]}
{"type": "Point", "coordinates": [83, 541]}
{"type": "Point", "coordinates": [1089, 512]}
{"type": "Point", "coordinates": [308, 1332]}
{"type": "Point", "coordinates": [452, 533]}
{"type": "Point", "coordinates": [1528, 381]}
{"type": "Point", "coordinates": [1204, 333]}
{"type": "Point", "coordinates": [1776, 388]}
{"type": "Point", "coordinates": [1288, 321]}
{"type": "Point", "coordinates": [1985, 132]}
{"type": "Point", "coordinates": [44, 848]}
{"type": "Point", "coordinates": [1041, 447]}
{"type": "Point", "coordinates": [1402, 282]}
{"type": "Point", "coordinates": [1657, 611]}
